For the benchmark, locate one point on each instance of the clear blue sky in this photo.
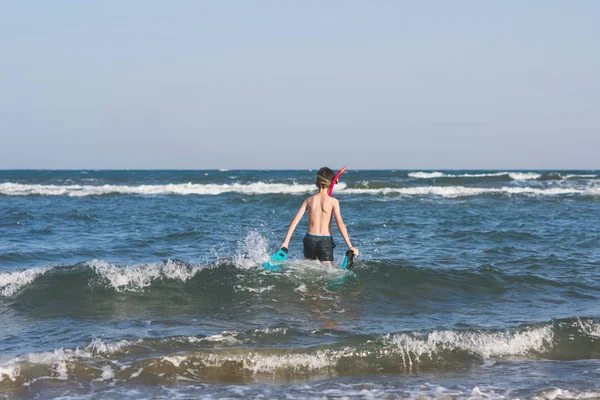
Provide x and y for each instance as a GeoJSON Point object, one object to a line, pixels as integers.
{"type": "Point", "coordinates": [299, 84]}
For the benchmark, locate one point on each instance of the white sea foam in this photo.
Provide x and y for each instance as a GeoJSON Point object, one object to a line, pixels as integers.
{"type": "Point", "coordinates": [138, 277]}
{"type": "Point", "coordinates": [564, 394]}
{"type": "Point", "coordinates": [240, 288]}
{"type": "Point", "coordinates": [259, 363]}
{"type": "Point", "coordinates": [57, 361]}
{"type": "Point", "coordinates": [576, 176]}
{"type": "Point", "coordinates": [422, 391]}
{"type": "Point", "coordinates": [524, 176]}
{"type": "Point", "coordinates": [57, 358]}
{"type": "Point", "coordinates": [12, 282]}
{"type": "Point", "coordinates": [136, 373]}
{"type": "Point", "coordinates": [517, 176]}
{"type": "Point", "coordinates": [589, 327]}
{"type": "Point", "coordinates": [18, 189]}
{"type": "Point", "coordinates": [302, 288]}
{"type": "Point", "coordinates": [464, 191]}
{"type": "Point", "coordinates": [592, 189]}
{"type": "Point", "coordinates": [10, 371]}
{"type": "Point", "coordinates": [107, 373]}
{"type": "Point", "coordinates": [175, 360]}
{"type": "Point", "coordinates": [426, 175]}
{"type": "Point", "coordinates": [270, 331]}
{"type": "Point", "coordinates": [480, 175]}
{"type": "Point", "coordinates": [225, 337]}
{"type": "Point", "coordinates": [252, 250]}
{"type": "Point", "coordinates": [484, 344]}
{"type": "Point", "coordinates": [307, 362]}
{"type": "Point", "coordinates": [98, 346]}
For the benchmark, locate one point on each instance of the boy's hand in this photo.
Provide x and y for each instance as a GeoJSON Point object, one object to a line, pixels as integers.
{"type": "Point", "coordinates": [355, 250]}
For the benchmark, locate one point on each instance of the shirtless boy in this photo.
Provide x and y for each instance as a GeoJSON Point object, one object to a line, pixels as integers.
{"type": "Point", "coordinates": [318, 242]}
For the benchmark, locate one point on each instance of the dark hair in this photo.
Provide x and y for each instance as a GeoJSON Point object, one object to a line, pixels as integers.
{"type": "Point", "coordinates": [324, 178]}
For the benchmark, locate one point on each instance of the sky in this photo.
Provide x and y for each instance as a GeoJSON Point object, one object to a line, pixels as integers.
{"type": "Point", "coordinates": [300, 84]}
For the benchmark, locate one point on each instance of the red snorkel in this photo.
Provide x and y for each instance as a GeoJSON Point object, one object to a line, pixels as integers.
{"type": "Point", "coordinates": [335, 180]}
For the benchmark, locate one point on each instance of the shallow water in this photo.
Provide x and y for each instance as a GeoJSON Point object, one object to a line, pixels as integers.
{"type": "Point", "coordinates": [147, 284]}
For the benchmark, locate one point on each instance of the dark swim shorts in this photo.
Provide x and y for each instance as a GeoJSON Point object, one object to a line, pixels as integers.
{"type": "Point", "coordinates": [318, 247]}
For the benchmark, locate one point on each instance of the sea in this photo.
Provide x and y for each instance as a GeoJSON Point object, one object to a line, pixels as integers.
{"type": "Point", "coordinates": [140, 284]}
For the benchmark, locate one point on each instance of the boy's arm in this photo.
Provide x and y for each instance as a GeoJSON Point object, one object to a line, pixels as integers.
{"type": "Point", "coordinates": [342, 227]}
{"type": "Point", "coordinates": [293, 224]}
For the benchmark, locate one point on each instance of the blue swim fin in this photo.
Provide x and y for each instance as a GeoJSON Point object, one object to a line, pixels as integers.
{"type": "Point", "coordinates": [348, 260]}
{"type": "Point", "coordinates": [276, 259]}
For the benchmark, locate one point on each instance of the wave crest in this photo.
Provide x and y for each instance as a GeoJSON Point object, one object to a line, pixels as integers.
{"type": "Point", "coordinates": [230, 356]}
{"type": "Point", "coordinates": [483, 344]}
{"type": "Point", "coordinates": [18, 189]}
{"type": "Point", "coordinates": [12, 282]}
{"type": "Point", "coordinates": [259, 188]}
{"type": "Point", "coordinates": [139, 277]}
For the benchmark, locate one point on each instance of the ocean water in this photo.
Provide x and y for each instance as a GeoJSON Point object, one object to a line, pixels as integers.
{"type": "Point", "coordinates": [147, 284]}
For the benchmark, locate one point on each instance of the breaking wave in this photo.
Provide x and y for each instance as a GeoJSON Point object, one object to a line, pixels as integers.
{"type": "Point", "coordinates": [11, 282]}
{"type": "Point", "coordinates": [91, 285]}
{"type": "Point", "coordinates": [464, 191]}
{"type": "Point", "coordinates": [18, 189]}
{"type": "Point", "coordinates": [234, 357]}
{"type": "Point", "coordinates": [259, 188]}
{"type": "Point", "coordinates": [516, 176]}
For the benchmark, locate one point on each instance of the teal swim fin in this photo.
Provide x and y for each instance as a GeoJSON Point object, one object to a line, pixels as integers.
{"type": "Point", "coordinates": [348, 260]}
{"type": "Point", "coordinates": [276, 259]}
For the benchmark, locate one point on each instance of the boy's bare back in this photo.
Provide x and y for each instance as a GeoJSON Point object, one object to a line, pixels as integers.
{"type": "Point", "coordinates": [320, 209]}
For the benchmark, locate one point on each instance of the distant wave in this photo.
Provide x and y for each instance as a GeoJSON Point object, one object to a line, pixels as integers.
{"type": "Point", "coordinates": [426, 175]}
{"type": "Point", "coordinates": [516, 176]}
{"type": "Point", "coordinates": [18, 189]}
{"type": "Point", "coordinates": [260, 188]}
{"type": "Point", "coordinates": [233, 356]}
{"type": "Point", "coordinates": [570, 176]}
{"type": "Point", "coordinates": [465, 191]}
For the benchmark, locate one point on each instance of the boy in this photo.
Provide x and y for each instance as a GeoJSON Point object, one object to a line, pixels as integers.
{"type": "Point", "coordinates": [318, 243]}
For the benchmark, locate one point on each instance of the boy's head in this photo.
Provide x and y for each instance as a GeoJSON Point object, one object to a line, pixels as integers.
{"type": "Point", "coordinates": [324, 178]}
